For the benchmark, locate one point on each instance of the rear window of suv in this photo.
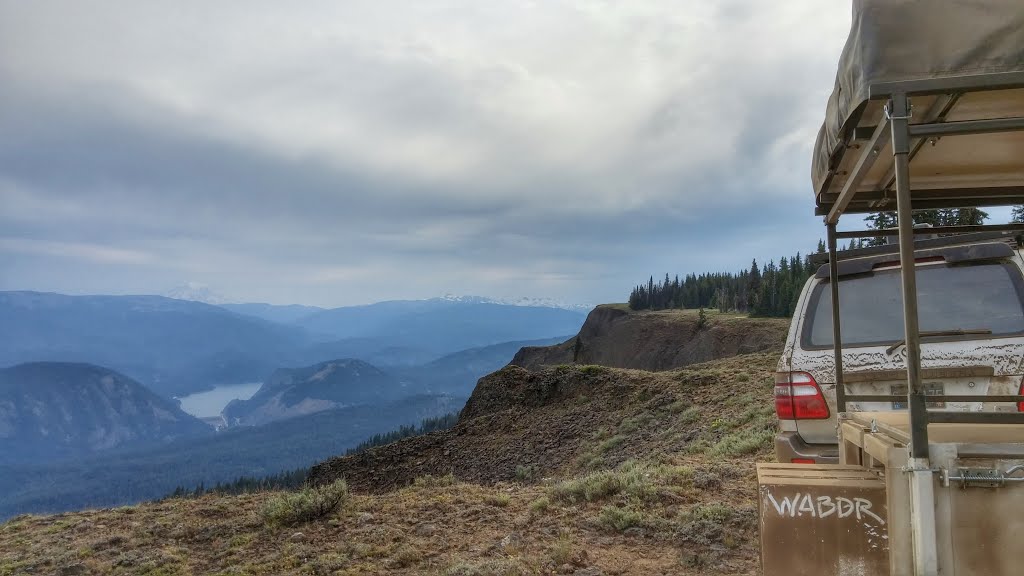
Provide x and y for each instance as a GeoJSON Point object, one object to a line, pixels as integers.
{"type": "Point", "coordinates": [950, 297]}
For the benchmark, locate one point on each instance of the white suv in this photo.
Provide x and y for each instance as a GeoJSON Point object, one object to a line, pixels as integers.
{"type": "Point", "coordinates": [972, 326]}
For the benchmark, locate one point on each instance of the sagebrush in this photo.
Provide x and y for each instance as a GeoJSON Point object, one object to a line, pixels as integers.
{"type": "Point", "coordinates": [309, 503]}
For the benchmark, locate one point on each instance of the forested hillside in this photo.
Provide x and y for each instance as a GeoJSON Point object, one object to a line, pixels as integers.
{"type": "Point", "coordinates": [55, 410]}
{"type": "Point", "coordinates": [297, 477]}
{"type": "Point", "coordinates": [127, 476]}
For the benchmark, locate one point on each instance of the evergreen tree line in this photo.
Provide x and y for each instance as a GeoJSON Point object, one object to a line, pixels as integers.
{"type": "Point", "coordinates": [942, 217]}
{"type": "Point", "coordinates": [426, 427]}
{"type": "Point", "coordinates": [296, 478]}
{"type": "Point", "coordinates": [769, 291]}
{"type": "Point", "coordinates": [245, 484]}
{"type": "Point", "coordinates": [774, 289]}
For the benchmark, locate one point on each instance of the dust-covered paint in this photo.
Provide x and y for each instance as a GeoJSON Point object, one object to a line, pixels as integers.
{"type": "Point", "coordinates": [988, 365]}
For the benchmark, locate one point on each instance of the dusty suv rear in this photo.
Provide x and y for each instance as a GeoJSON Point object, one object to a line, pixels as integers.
{"type": "Point", "coordinates": [972, 324]}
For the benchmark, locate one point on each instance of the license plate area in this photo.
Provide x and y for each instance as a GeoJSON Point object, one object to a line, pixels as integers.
{"type": "Point", "coordinates": [931, 389]}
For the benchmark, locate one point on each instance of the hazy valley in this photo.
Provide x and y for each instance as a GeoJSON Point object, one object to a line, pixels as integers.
{"type": "Point", "coordinates": [88, 408]}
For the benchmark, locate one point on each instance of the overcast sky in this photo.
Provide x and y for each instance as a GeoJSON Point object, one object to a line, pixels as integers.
{"type": "Point", "coordinates": [345, 152]}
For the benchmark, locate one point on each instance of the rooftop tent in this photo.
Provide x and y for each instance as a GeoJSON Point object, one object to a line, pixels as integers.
{"type": "Point", "coordinates": [957, 60]}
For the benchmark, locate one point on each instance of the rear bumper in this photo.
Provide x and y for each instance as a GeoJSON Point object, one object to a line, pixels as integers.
{"type": "Point", "coordinates": [789, 446]}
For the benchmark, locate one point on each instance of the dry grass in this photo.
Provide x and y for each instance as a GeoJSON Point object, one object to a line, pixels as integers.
{"type": "Point", "coordinates": [289, 508]}
{"type": "Point", "coordinates": [640, 518]}
{"type": "Point", "coordinates": [665, 485]}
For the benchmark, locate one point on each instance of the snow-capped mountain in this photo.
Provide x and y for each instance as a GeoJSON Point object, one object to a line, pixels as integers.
{"type": "Point", "coordinates": [523, 301]}
{"type": "Point", "coordinates": [197, 292]}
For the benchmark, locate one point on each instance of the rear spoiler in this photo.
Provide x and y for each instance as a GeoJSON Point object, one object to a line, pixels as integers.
{"type": "Point", "coordinates": [951, 254]}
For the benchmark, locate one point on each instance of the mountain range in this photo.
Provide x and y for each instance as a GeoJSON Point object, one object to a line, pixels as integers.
{"type": "Point", "coordinates": [294, 392]}
{"type": "Point", "coordinates": [175, 347]}
{"type": "Point", "coordinates": [87, 414]}
{"type": "Point", "coordinates": [440, 326]}
{"type": "Point", "coordinates": [172, 346]}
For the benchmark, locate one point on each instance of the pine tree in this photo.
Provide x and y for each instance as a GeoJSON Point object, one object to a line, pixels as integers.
{"type": "Point", "coordinates": [1017, 215]}
{"type": "Point", "coordinates": [879, 221]}
{"type": "Point", "coordinates": [969, 217]}
{"type": "Point", "coordinates": [753, 287]}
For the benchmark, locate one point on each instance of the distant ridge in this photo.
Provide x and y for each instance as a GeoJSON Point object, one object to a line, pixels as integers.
{"type": "Point", "coordinates": [521, 301]}
{"type": "Point", "coordinates": [196, 292]}
{"type": "Point", "coordinates": [172, 346]}
{"type": "Point", "coordinates": [283, 313]}
{"type": "Point", "coordinates": [55, 410]}
{"type": "Point", "coordinates": [291, 392]}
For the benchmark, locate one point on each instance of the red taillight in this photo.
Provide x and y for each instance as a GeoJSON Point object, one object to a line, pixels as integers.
{"type": "Point", "coordinates": [802, 461]}
{"type": "Point", "coordinates": [797, 397]}
{"type": "Point", "coordinates": [1020, 392]}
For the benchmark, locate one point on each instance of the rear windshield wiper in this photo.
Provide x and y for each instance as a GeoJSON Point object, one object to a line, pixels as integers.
{"type": "Point", "coordinates": [940, 333]}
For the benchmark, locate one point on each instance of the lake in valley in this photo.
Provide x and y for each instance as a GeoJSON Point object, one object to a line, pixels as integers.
{"type": "Point", "coordinates": [211, 402]}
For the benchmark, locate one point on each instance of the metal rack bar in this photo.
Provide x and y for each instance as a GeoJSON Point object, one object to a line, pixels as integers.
{"type": "Point", "coordinates": [966, 127]}
{"type": "Point", "coordinates": [899, 112]}
{"type": "Point", "coordinates": [932, 398]}
{"type": "Point", "coordinates": [966, 229]}
{"type": "Point", "coordinates": [883, 200]}
{"type": "Point", "coordinates": [976, 417]}
{"type": "Point", "coordinates": [857, 207]}
{"type": "Point", "coordinates": [837, 332]}
{"type": "Point", "coordinates": [867, 159]}
{"type": "Point", "coordinates": [947, 85]}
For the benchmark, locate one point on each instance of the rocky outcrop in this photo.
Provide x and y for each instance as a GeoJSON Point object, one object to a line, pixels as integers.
{"type": "Point", "coordinates": [556, 407]}
{"type": "Point", "coordinates": [521, 424]}
{"type": "Point", "coordinates": [615, 336]}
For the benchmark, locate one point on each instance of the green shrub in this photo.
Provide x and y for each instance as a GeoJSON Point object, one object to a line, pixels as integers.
{"type": "Point", "coordinates": [611, 443]}
{"type": "Point", "coordinates": [634, 423]}
{"type": "Point", "coordinates": [429, 481]}
{"type": "Point", "coordinates": [527, 473]}
{"type": "Point", "coordinates": [406, 556]}
{"type": "Point", "coordinates": [679, 406]}
{"type": "Point", "coordinates": [716, 512]}
{"type": "Point", "coordinates": [675, 475]}
{"type": "Point", "coordinates": [562, 551]}
{"type": "Point", "coordinates": [620, 519]}
{"type": "Point", "coordinates": [540, 505]}
{"type": "Point", "coordinates": [500, 499]}
{"type": "Point", "coordinates": [307, 504]}
{"type": "Point", "coordinates": [487, 568]}
{"type": "Point", "coordinates": [631, 478]}
{"type": "Point", "coordinates": [706, 525]}
{"type": "Point", "coordinates": [743, 442]}
{"type": "Point", "coordinates": [588, 488]}
{"type": "Point", "coordinates": [689, 415]}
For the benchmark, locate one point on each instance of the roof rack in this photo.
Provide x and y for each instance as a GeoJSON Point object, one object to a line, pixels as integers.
{"type": "Point", "coordinates": [1010, 234]}
{"type": "Point", "coordinates": [849, 189]}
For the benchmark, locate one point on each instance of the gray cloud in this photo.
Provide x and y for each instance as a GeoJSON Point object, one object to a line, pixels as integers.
{"type": "Point", "coordinates": [352, 152]}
